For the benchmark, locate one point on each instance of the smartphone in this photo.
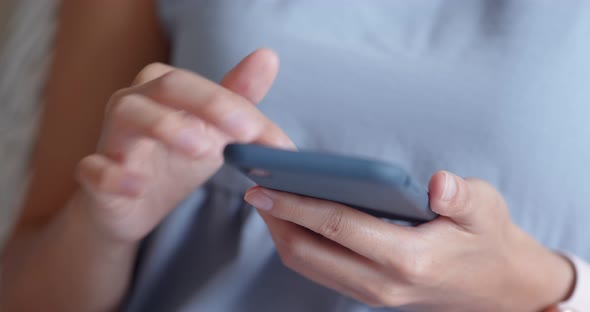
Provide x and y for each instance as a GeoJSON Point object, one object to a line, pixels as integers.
{"type": "Point", "coordinates": [377, 188]}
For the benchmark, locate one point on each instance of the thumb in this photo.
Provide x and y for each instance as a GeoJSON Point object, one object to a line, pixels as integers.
{"type": "Point", "coordinates": [471, 203]}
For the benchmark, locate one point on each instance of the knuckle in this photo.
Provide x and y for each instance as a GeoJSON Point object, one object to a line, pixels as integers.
{"type": "Point", "coordinates": [172, 79]}
{"type": "Point", "coordinates": [228, 106]}
{"type": "Point", "coordinates": [416, 266]}
{"type": "Point", "coordinates": [150, 72]}
{"type": "Point", "coordinates": [416, 270]}
{"type": "Point", "coordinates": [83, 167]}
{"type": "Point", "coordinates": [292, 251]}
{"type": "Point", "coordinates": [119, 93]}
{"type": "Point", "coordinates": [334, 225]}
{"type": "Point", "coordinates": [125, 105]}
{"type": "Point", "coordinates": [383, 293]}
{"type": "Point", "coordinates": [115, 98]}
{"type": "Point", "coordinates": [220, 98]}
{"type": "Point", "coordinates": [164, 122]}
{"type": "Point", "coordinates": [82, 163]}
{"type": "Point", "coordinates": [105, 177]}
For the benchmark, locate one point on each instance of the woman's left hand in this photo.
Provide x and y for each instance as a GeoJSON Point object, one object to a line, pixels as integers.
{"type": "Point", "coordinates": [471, 258]}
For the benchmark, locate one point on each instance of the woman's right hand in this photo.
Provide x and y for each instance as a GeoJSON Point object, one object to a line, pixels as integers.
{"type": "Point", "coordinates": [164, 136]}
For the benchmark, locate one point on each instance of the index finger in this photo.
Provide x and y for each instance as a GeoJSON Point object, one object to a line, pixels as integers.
{"type": "Point", "coordinates": [231, 113]}
{"type": "Point", "coordinates": [364, 234]}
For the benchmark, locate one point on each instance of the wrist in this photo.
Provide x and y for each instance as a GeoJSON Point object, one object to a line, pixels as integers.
{"type": "Point", "coordinates": [96, 270]}
{"type": "Point", "coordinates": [79, 220]}
{"type": "Point", "coordinates": [547, 278]}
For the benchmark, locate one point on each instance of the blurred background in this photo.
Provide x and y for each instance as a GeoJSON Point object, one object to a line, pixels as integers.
{"type": "Point", "coordinates": [26, 29]}
{"type": "Point", "coordinates": [5, 10]}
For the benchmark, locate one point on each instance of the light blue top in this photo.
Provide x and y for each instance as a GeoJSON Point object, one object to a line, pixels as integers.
{"type": "Point", "coordinates": [496, 89]}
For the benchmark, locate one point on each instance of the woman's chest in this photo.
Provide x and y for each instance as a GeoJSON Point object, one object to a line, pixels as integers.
{"type": "Point", "coordinates": [381, 79]}
{"type": "Point", "coordinates": [501, 94]}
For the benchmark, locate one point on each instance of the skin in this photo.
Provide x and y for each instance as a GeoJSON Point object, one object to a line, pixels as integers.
{"type": "Point", "coordinates": [88, 66]}
{"type": "Point", "coordinates": [169, 128]}
{"type": "Point", "coordinates": [471, 258]}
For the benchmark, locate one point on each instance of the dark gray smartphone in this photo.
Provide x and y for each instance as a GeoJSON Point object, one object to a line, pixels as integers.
{"type": "Point", "coordinates": [380, 189]}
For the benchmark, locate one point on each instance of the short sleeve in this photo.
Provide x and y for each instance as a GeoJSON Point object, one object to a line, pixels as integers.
{"type": "Point", "coordinates": [579, 301]}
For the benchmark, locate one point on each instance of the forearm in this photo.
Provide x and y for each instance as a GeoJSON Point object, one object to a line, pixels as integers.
{"type": "Point", "coordinates": [66, 265]}
{"type": "Point", "coordinates": [54, 260]}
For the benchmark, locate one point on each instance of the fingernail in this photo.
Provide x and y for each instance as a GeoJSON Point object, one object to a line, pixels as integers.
{"type": "Point", "coordinates": [450, 187]}
{"type": "Point", "coordinates": [259, 200]}
{"type": "Point", "coordinates": [192, 141]}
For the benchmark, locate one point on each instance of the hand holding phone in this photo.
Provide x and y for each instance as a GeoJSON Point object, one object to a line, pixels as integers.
{"type": "Point", "coordinates": [380, 189]}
